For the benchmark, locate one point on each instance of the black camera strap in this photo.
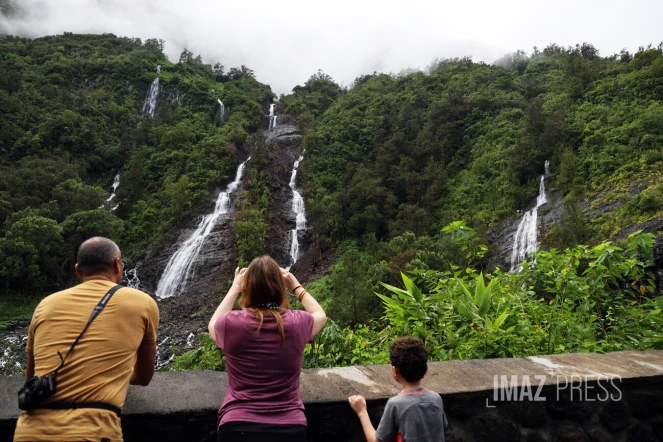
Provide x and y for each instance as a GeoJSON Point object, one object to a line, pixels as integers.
{"type": "Point", "coordinates": [93, 315]}
{"type": "Point", "coordinates": [75, 405]}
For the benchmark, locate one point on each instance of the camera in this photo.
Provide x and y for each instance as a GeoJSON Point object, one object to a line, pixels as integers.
{"type": "Point", "coordinates": [35, 391]}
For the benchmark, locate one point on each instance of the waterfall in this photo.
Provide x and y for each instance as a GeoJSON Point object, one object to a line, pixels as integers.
{"type": "Point", "coordinates": [131, 278]}
{"type": "Point", "coordinates": [115, 185]}
{"type": "Point", "coordinates": [174, 278]}
{"type": "Point", "coordinates": [300, 215]}
{"type": "Point", "coordinates": [272, 117]}
{"type": "Point", "coordinates": [150, 104]}
{"type": "Point", "coordinates": [546, 166]}
{"type": "Point", "coordinates": [222, 109]}
{"type": "Point", "coordinates": [525, 241]}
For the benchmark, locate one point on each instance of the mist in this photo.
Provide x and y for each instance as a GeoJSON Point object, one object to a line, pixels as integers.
{"type": "Point", "coordinates": [285, 42]}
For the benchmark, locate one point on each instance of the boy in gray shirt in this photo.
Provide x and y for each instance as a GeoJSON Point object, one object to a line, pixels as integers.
{"type": "Point", "coordinates": [416, 414]}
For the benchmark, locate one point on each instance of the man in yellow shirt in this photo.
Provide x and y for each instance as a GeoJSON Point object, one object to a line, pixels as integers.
{"type": "Point", "coordinates": [118, 348]}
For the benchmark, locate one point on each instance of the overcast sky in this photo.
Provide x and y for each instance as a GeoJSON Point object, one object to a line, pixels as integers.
{"type": "Point", "coordinates": [286, 41]}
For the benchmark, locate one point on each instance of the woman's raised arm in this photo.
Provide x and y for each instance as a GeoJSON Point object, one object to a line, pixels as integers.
{"type": "Point", "coordinates": [228, 301]}
{"type": "Point", "coordinates": [308, 302]}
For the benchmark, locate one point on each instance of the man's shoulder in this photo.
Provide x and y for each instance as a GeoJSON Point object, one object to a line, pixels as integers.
{"type": "Point", "coordinates": [136, 299]}
{"type": "Point", "coordinates": [128, 291]}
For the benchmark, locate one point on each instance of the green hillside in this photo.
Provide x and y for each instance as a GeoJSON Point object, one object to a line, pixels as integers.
{"type": "Point", "coordinates": [406, 180]}
{"type": "Point", "coordinates": [70, 113]}
{"type": "Point", "coordinates": [399, 156]}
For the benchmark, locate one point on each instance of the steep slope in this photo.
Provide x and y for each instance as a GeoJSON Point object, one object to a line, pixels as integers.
{"type": "Point", "coordinates": [392, 161]}
{"type": "Point", "coordinates": [78, 113]}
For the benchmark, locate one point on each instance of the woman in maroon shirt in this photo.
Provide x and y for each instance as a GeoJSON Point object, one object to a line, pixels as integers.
{"type": "Point", "coordinates": [264, 344]}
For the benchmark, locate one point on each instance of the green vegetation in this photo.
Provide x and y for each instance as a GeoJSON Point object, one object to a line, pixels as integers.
{"type": "Point", "coordinates": [585, 299]}
{"type": "Point", "coordinates": [394, 159]}
{"type": "Point", "coordinates": [70, 113]}
{"type": "Point", "coordinates": [391, 165]}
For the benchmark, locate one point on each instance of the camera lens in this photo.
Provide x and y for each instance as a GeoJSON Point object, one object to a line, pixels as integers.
{"type": "Point", "coordinates": [32, 385]}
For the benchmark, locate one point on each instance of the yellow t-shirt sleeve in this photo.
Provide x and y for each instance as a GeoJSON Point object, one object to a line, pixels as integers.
{"type": "Point", "coordinates": [30, 346]}
{"type": "Point", "coordinates": [151, 322]}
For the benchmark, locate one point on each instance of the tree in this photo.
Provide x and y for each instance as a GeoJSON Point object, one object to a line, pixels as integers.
{"type": "Point", "coordinates": [186, 56]}
{"type": "Point", "coordinates": [72, 196]}
{"type": "Point", "coordinates": [178, 195]}
{"type": "Point", "coordinates": [81, 226]}
{"type": "Point", "coordinates": [31, 254]}
{"type": "Point", "coordinates": [250, 232]}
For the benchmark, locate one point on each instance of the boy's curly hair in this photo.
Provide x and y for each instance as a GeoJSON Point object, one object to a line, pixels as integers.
{"type": "Point", "coordinates": [410, 357]}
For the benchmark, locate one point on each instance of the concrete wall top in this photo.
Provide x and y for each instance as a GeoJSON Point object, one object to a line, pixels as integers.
{"type": "Point", "coordinates": [190, 391]}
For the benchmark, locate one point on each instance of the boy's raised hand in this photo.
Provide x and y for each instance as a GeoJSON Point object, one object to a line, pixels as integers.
{"type": "Point", "coordinates": [358, 403]}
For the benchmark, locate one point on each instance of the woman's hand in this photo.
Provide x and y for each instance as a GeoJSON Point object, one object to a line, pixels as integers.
{"type": "Point", "coordinates": [228, 301]}
{"type": "Point", "coordinates": [239, 277]}
{"type": "Point", "coordinates": [290, 280]}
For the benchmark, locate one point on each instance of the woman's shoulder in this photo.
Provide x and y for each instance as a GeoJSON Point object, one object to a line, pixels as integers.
{"type": "Point", "coordinates": [298, 315]}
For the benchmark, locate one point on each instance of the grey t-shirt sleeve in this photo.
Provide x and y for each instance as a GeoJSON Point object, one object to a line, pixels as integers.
{"type": "Point", "coordinates": [387, 427]}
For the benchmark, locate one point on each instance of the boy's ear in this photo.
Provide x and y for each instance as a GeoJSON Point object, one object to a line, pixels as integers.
{"type": "Point", "coordinates": [394, 372]}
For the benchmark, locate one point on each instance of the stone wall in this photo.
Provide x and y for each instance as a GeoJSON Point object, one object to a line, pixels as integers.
{"type": "Point", "coordinates": [615, 397]}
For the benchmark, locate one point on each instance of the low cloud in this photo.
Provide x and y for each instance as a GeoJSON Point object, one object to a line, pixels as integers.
{"type": "Point", "coordinates": [285, 42]}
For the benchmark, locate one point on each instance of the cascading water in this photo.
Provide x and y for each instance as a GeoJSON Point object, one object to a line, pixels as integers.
{"type": "Point", "coordinates": [525, 240]}
{"type": "Point", "coordinates": [546, 167]}
{"type": "Point", "coordinates": [131, 278]}
{"type": "Point", "coordinates": [150, 104]}
{"type": "Point", "coordinates": [115, 185]}
{"type": "Point", "coordinates": [272, 117]}
{"type": "Point", "coordinates": [222, 110]}
{"type": "Point", "coordinates": [174, 278]}
{"type": "Point", "coordinates": [300, 215]}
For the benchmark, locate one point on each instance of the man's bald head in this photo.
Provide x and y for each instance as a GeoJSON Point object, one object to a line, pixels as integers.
{"type": "Point", "coordinates": [97, 255]}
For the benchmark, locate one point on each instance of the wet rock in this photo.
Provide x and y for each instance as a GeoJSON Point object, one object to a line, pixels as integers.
{"type": "Point", "coordinates": [598, 434]}
{"type": "Point", "coordinates": [572, 435]}
{"type": "Point", "coordinates": [458, 407]}
{"type": "Point", "coordinates": [492, 427]}
{"type": "Point", "coordinates": [573, 409]}
{"type": "Point", "coordinates": [615, 416]}
{"type": "Point", "coordinates": [529, 414]}
{"type": "Point", "coordinates": [645, 405]}
{"type": "Point", "coordinates": [642, 433]}
{"type": "Point", "coordinates": [501, 236]}
{"type": "Point", "coordinates": [529, 435]}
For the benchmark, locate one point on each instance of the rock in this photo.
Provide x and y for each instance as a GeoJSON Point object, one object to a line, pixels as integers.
{"type": "Point", "coordinates": [645, 405]}
{"type": "Point", "coordinates": [573, 409]}
{"type": "Point", "coordinates": [529, 435]}
{"type": "Point", "coordinates": [458, 407]}
{"type": "Point", "coordinates": [572, 434]}
{"type": "Point", "coordinates": [530, 414]}
{"type": "Point", "coordinates": [642, 433]}
{"type": "Point", "coordinates": [598, 434]}
{"type": "Point", "coordinates": [501, 236]}
{"type": "Point", "coordinates": [490, 427]}
{"type": "Point", "coordinates": [615, 416]}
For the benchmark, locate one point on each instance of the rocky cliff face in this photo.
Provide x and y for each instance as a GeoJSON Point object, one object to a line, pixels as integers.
{"type": "Point", "coordinates": [184, 317]}
{"type": "Point", "coordinates": [501, 237]}
{"type": "Point", "coordinates": [284, 143]}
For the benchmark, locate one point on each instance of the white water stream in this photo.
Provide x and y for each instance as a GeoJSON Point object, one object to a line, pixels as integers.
{"type": "Point", "coordinates": [272, 117]}
{"type": "Point", "coordinates": [525, 240]}
{"type": "Point", "coordinates": [222, 109]}
{"type": "Point", "coordinates": [131, 276]}
{"type": "Point", "coordinates": [115, 185]}
{"type": "Point", "coordinates": [300, 215]}
{"type": "Point", "coordinates": [150, 104]}
{"type": "Point", "coordinates": [180, 266]}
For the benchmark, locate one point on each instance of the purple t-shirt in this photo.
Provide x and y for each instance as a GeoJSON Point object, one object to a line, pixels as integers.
{"type": "Point", "coordinates": [263, 372]}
